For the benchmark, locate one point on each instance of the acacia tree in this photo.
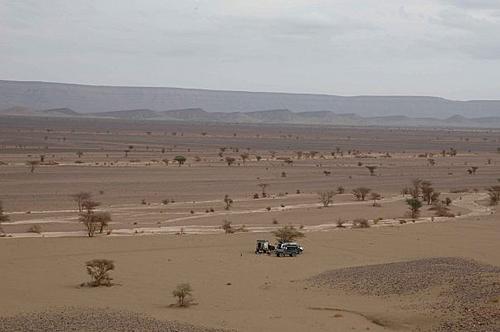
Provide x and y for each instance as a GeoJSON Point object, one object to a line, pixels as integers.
{"type": "Point", "coordinates": [375, 197]}
{"type": "Point", "coordinates": [81, 197]}
{"type": "Point", "coordinates": [228, 201]}
{"type": "Point", "coordinates": [360, 193]}
{"type": "Point", "coordinates": [441, 209]}
{"type": "Point", "coordinates": [102, 219]}
{"type": "Point", "coordinates": [414, 205]}
{"type": "Point", "coordinates": [494, 194]}
{"type": "Point", "coordinates": [372, 169]}
{"type": "Point", "coordinates": [263, 187]}
{"type": "Point", "coordinates": [427, 191]}
{"type": "Point", "coordinates": [326, 197]}
{"type": "Point", "coordinates": [287, 234]}
{"type": "Point", "coordinates": [230, 160]}
{"type": "Point", "coordinates": [244, 157]}
{"type": "Point", "coordinates": [227, 227]}
{"type": "Point", "coordinates": [415, 189]}
{"type": "Point", "coordinates": [183, 292]}
{"type": "Point", "coordinates": [90, 219]}
{"type": "Point", "coordinates": [99, 269]}
{"type": "Point", "coordinates": [3, 217]}
{"type": "Point", "coordinates": [180, 160]}
{"type": "Point", "coordinates": [32, 164]}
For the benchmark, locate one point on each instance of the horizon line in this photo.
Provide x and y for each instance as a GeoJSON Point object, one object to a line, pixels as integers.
{"type": "Point", "coordinates": [246, 91]}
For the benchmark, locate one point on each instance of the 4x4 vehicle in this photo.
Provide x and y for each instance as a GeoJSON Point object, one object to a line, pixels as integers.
{"type": "Point", "coordinates": [288, 249]}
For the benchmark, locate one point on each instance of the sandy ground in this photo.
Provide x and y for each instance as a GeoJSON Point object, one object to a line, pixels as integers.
{"type": "Point", "coordinates": [233, 287]}
{"type": "Point", "coordinates": [264, 292]}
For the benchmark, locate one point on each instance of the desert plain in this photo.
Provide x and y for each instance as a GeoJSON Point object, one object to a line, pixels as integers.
{"type": "Point", "coordinates": [399, 273]}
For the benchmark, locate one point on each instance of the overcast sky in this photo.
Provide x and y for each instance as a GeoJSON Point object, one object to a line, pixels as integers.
{"type": "Point", "coordinates": [448, 48]}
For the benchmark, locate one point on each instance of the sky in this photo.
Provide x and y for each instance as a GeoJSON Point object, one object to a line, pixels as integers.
{"type": "Point", "coordinates": [446, 48]}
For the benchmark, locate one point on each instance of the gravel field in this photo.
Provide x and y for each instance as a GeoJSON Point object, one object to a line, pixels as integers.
{"type": "Point", "coordinates": [468, 297]}
{"type": "Point", "coordinates": [90, 320]}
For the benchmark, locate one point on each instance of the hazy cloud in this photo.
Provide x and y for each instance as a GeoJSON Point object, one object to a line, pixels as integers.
{"type": "Point", "coordinates": [448, 47]}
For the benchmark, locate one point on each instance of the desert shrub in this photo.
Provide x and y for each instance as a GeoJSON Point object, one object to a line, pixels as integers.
{"type": "Point", "coordinates": [165, 201]}
{"type": "Point", "coordinates": [81, 197]}
{"type": "Point", "coordinates": [227, 227]}
{"type": "Point", "coordinates": [183, 293]}
{"type": "Point", "coordinates": [180, 160]}
{"type": "Point", "coordinates": [360, 193]}
{"type": "Point", "coordinates": [94, 221]}
{"type": "Point", "coordinates": [275, 221]}
{"type": "Point", "coordinates": [268, 208]}
{"type": "Point", "coordinates": [102, 219]}
{"type": "Point", "coordinates": [372, 169]}
{"type": "Point", "coordinates": [360, 223]}
{"type": "Point", "coordinates": [494, 194]}
{"type": "Point", "coordinates": [287, 234]}
{"type": "Point", "coordinates": [99, 269]}
{"type": "Point", "coordinates": [326, 197]}
{"type": "Point", "coordinates": [340, 223]}
{"type": "Point", "coordinates": [441, 210]}
{"type": "Point", "coordinates": [35, 229]}
{"type": "Point", "coordinates": [375, 197]}
{"type": "Point", "coordinates": [263, 187]}
{"type": "Point", "coordinates": [414, 205]}
{"type": "Point", "coordinates": [32, 164]}
{"type": "Point", "coordinates": [340, 190]}
{"type": "Point", "coordinates": [228, 201]}
{"type": "Point", "coordinates": [3, 217]}
{"type": "Point", "coordinates": [89, 205]}
{"type": "Point", "coordinates": [255, 196]}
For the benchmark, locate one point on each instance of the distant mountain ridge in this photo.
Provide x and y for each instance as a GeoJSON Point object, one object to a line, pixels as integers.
{"type": "Point", "coordinates": [99, 99]}
{"type": "Point", "coordinates": [278, 116]}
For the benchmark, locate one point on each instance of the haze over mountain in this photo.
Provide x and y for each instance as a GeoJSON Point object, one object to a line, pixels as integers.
{"type": "Point", "coordinates": [96, 99]}
{"type": "Point", "coordinates": [151, 103]}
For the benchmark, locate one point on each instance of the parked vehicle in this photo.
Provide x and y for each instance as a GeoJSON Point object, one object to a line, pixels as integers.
{"type": "Point", "coordinates": [264, 247]}
{"type": "Point", "coordinates": [291, 249]}
{"type": "Point", "coordinates": [288, 249]}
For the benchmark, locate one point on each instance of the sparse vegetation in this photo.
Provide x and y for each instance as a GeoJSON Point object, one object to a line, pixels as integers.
{"type": "Point", "coordinates": [228, 202]}
{"type": "Point", "coordinates": [183, 293]}
{"type": "Point", "coordinates": [375, 197]}
{"type": "Point", "coordinates": [414, 204]}
{"type": "Point", "coordinates": [441, 210]}
{"type": "Point", "coordinates": [32, 164]}
{"type": "Point", "coordinates": [180, 160]}
{"type": "Point", "coordinates": [227, 227]}
{"type": "Point", "coordinates": [287, 234]}
{"type": "Point", "coordinates": [80, 198]}
{"type": "Point", "coordinates": [35, 229]}
{"type": "Point", "coordinates": [326, 197]}
{"type": "Point", "coordinates": [3, 216]}
{"type": "Point", "coordinates": [263, 187]}
{"type": "Point", "coordinates": [372, 169]}
{"type": "Point", "coordinates": [494, 194]}
{"type": "Point", "coordinates": [99, 270]}
{"type": "Point", "coordinates": [360, 223]}
{"type": "Point", "coordinates": [360, 193]}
